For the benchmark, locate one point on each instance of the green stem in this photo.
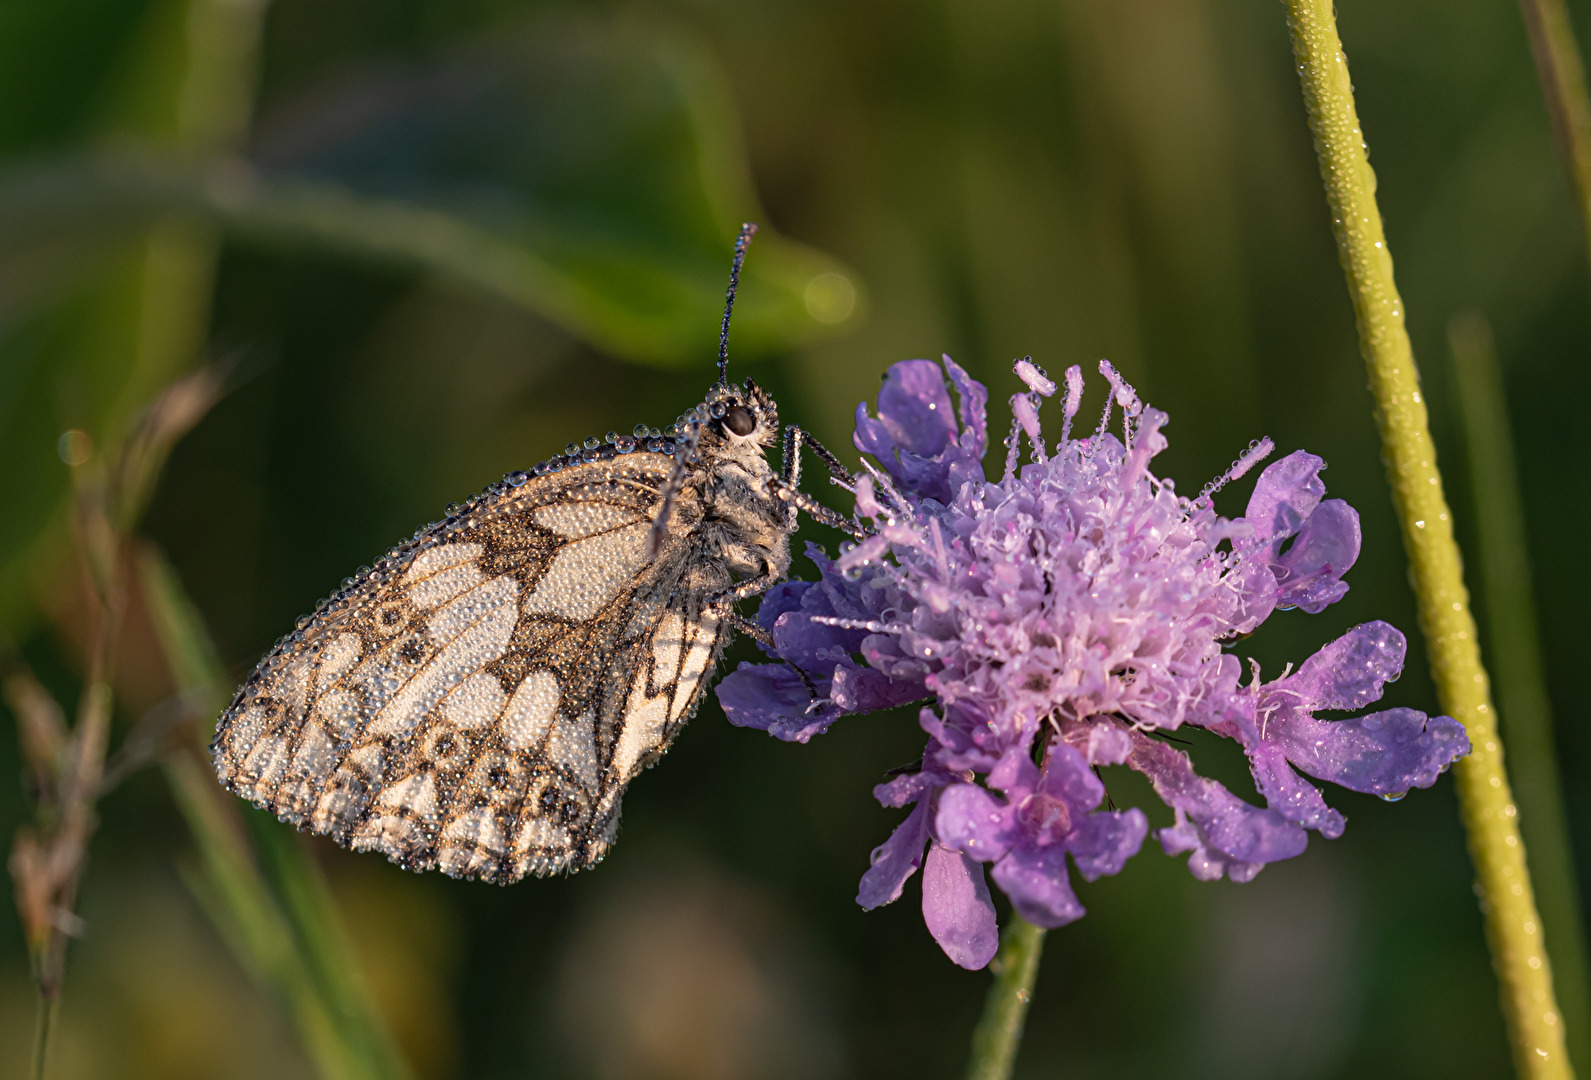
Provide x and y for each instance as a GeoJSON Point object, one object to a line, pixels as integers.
{"type": "Point", "coordinates": [265, 895]}
{"type": "Point", "coordinates": [41, 1033]}
{"type": "Point", "coordinates": [999, 1032]}
{"type": "Point", "coordinates": [1513, 927]}
{"type": "Point", "coordinates": [1563, 87]}
{"type": "Point", "coordinates": [1515, 649]}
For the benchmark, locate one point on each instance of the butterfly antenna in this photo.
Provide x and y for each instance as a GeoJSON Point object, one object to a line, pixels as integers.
{"type": "Point", "coordinates": [747, 231]}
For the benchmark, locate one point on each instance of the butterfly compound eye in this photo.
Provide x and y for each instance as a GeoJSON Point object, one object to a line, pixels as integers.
{"type": "Point", "coordinates": [740, 421]}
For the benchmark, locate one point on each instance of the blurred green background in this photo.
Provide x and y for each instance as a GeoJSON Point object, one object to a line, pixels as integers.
{"type": "Point", "coordinates": [439, 239]}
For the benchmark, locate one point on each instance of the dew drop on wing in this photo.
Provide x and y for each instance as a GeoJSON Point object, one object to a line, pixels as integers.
{"type": "Point", "coordinates": [1393, 796]}
{"type": "Point", "coordinates": [571, 450]}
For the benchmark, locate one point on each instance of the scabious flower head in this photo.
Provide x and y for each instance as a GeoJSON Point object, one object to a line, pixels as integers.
{"type": "Point", "coordinates": [1062, 620]}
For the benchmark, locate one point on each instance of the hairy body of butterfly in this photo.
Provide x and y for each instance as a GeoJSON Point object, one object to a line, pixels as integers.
{"type": "Point", "coordinates": [478, 701]}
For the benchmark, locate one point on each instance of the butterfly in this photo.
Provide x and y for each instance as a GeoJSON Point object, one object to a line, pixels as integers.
{"type": "Point", "coordinates": [478, 700]}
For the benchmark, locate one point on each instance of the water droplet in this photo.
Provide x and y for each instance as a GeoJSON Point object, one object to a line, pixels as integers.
{"type": "Point", "coordinates": [592, 442]}
{"type": "Point", "coordinates": [1393, 796]}
{"type": "Point", "coordinates": [571, 450]}
{"type": "Point", "coordinates": [611, 438]}
{"type": "Point", "coordinates": [641, 431]}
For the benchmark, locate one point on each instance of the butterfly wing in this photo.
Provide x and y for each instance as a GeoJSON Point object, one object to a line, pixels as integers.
{"type": "Point", "coordinates": [479, 700]}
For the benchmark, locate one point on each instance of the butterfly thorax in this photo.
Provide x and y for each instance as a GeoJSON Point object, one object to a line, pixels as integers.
{"type": "Point", "coordinates": [741, 525]}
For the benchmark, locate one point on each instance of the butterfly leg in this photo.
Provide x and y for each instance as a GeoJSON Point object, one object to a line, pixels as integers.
{"type": "Point", "coordinates": [795, 438]}
{"type": "Point", "coordinates": [787, 490]}
{"type": "Point", "coordinates": [796, 499]}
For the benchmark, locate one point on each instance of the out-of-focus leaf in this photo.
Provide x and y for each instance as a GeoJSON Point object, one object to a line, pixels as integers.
{"type": "Point", "coordinates": [607, 149]}
{"type": "Point", "coordinates": [94, 321]}
{"type": "Point", "coordinates": [594, 178]}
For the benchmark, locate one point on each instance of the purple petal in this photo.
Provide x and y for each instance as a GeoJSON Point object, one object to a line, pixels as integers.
{"type": "Point", "coordinates": [871, 436]}
{"type": "Point", "coordinates": [1204, 863]}
{"type": "Point", "coordinates": [1385, 753]}
{"type": "Point", "coordinates": [1103, 842]}
{"type": "Point", "coordinates": [1324, 550]}
{"type": "Point", "coordinates": [859, 690]}
{"type": "Point", "coordinates": [957, 907]}
{"type": "Point", "coordinates": [1290, 794]}
{"type": "Point", "coordinates": [1068, 777]}
{"type": "Point", "coordinates": [1015, 774]}
{"type": "Point", "coordinates": [1107, 745]}
{"type": "Point", "coordinates": [975, 822]}
{"type": "Point", "coordinates": [1037, 882]}
{"type": "Point", "coordinates": [916, 436]}
{"type": "Point", "coordinates": [772, 698]}
{"type": "Point", "coordinates": [914, 413]}
{"type": "Point", "coordinates": [783, 597]}
{"type": "Point", "coordinates": [1286, 493]}
{"type": "Point", "coordinates": [974, 399]}
{"type": "Point", "coordinates": [1219, 828]}
{"type": "Point", "coordinates": [911, 786]}
{"type": "Point", "coordinates": [895, 860]}
{"type": "Point", "coordinates": [1349, 672]}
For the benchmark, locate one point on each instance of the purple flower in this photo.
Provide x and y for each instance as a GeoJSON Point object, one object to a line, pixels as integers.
{"type": "Point", "coordinates": [1070, 614]}
{"type": "Point", "coordinates": [1046, 814]}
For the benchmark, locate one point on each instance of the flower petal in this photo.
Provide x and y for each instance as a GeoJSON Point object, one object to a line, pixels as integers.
{"type": "Point", "coordinates": [1325, 548]}
{"type": "Point", "coordinates": [1104, 841]}
{"type": "Point", "coordinates": [1286, 493]}
{"type": "Point", "coordinates": [1385, 753]}
{"type": "Point", "coordinates": [1350, 672]}
{"type": "Point", "coordinates": [972, 409]}
{"type": "Point", "coordinates": [1291, 795]}
{"type": "Point", "coordinates": [1067, 777]}
{"type": "Point", "coordinates": [974, 822]}
{"type": "Point", "coordinates": [772, 698]}
{"type": "Point", "coordinates": [1039, 886]}
{"type": "Point", "coordinates": [957, 907]}
{"type": "Point", "coordinates": [1220, 829]}
{"type": "Point", "coordinates": [895, 860]}
{"type": "Point", "coordinates": [857, 689]}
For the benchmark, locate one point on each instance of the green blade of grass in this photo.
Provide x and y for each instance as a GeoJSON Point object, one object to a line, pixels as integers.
{"type": "Point", "coordinates": [268, 898]}
{"type": "Point", "coordinates": [1524, 711]}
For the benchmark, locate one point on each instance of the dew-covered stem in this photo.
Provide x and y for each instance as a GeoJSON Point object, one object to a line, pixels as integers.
{"type": "Point", "coordinates": [1514, 647]}
{"type": "Point", "coordinates": [1513, 927]}
{"type": "Point", "coordinates": [999, 1031]}
{"type": "Point", "coordinates": [1563, 87]}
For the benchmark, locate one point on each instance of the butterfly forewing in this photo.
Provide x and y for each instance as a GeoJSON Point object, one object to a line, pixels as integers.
{"type": "Point", "coordinates": [478, 701]}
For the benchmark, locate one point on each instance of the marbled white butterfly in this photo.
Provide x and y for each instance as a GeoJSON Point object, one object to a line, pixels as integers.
{"type": "Point", "coordinates": [478, 700]}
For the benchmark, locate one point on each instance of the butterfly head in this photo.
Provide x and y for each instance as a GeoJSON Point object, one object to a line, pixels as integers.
{"type": "Point", "coordinates": [739, 416]}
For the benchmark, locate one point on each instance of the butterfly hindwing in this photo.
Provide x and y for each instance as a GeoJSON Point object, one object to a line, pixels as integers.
{"type": "Point", "coordinates": [478, 701]}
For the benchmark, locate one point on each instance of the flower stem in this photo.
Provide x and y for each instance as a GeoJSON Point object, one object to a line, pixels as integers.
{"type": "Point", "coordinates": [999, 1032]}
{"type": "Point", "coordinates": [1563, 87]}
{"type": "Point", "coordinates": [1513, 927]}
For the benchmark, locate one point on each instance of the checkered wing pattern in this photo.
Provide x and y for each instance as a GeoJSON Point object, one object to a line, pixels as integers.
{"type": "Point", "coordinates": [478, 701]}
